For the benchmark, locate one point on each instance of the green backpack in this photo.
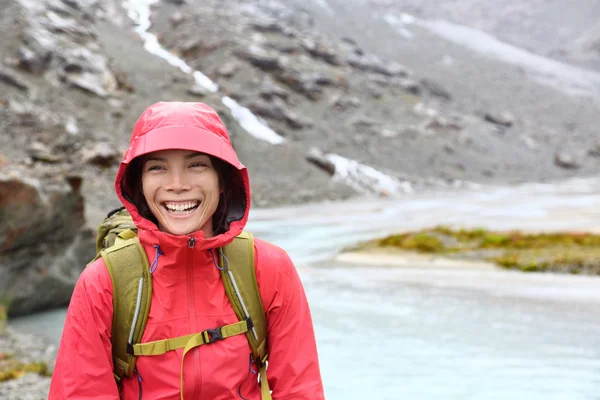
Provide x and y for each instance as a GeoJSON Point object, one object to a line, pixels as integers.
{"type": "Point", "coordinates": [129, 270]}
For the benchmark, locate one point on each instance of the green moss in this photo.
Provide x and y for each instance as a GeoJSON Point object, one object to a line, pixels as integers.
{"type": "Point", "coordinates": [574, 253]}
{"type": "Point", "coordinates": [14, 370]}
{"type": "Point", "coordinates": [422, 242]}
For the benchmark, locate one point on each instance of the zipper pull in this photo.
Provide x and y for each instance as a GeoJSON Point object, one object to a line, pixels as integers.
{"type": "Point", "coordinates": [191, 242]}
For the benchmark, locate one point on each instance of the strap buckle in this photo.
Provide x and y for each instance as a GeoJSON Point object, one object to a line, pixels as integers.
{"type": "Point", "coordinates": [212, 335]}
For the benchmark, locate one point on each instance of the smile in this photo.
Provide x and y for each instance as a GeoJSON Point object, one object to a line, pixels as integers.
{"type": "Point", "coordinates": [181, 208]}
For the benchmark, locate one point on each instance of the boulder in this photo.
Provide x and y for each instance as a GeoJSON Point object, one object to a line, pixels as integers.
{"type": "Point", "coordinates": [565, 160]}
{"type": "Point", "coordinates": [503, 119]}
{"type": "Point", "coordinates": [261, 58]}
{"type": "Point", "coordinates": [43, 243]}
{"type": "Point", "coordinates": [319, 50]}
{"type": "Point", "coordinates": [278, 111]}
{"type": "Point", "coordinates": [102, 154]}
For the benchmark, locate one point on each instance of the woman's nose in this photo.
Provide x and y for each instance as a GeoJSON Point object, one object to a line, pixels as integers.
{"type": "Point", "coordinates": [178, 182]}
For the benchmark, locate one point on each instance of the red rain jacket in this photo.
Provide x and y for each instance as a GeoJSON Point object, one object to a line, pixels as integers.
{"type": "Point", "coordinates": [188, 297]}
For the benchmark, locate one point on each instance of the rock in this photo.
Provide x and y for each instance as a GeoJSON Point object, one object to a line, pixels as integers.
{"type": "Point", "coordinates": [198, 90]}
{"type": "Point", "coordinates": [43, 244]}
{"type": "Point", "coordinates": [176, 18]}
{"type": "Point", "coordinates": [565, 160]}
{"type": "Point", "coordinates": [268, 25]}
{"type": "Point", "coordinates": [372, 63]}
{"type": "Point", "coordinates": [228, 69]}
{"type": "Point", "coordinates": [435, 89]}
{"type": "Point", "coordinates": [320, 51]}
{"type": "Point", "coordinates": [71, 126]}
{"type": "Point", "coordinates": [261, 58]}
{"type": "Point", "coordinates": [409, 85]}
{"type": "Point", "coordinates": [504, 119]}
{"type": "Point", "coordinates": [36, 57]}
{"type": "Point", "coordinates": [101, 154]}
{"type": "Point", "coordinates": [270, 90]}
{"type": "Point", "coordinates": [177, 2]}
{"type": "Point", "coordinates": [40, 152]}
{"type": "Point", "coordinates": [278, 111]}
{"type": "Point", "coordinates": [341, 101]}
{"type": "Point", "coordinates": [309, 84]}
{"type": "Point", "coordinates": [595, 150]}
{"type": "Point", "coordinates": [12, 79]}
{"type": "Point", "coordinates": [318, 158]}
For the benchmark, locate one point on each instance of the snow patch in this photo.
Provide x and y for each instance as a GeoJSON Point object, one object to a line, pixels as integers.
{"type": "Point", "coordinates": [366, 179]}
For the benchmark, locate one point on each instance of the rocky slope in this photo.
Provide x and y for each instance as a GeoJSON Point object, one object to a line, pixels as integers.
{"type": "Point", "coordinates": [343, 85]}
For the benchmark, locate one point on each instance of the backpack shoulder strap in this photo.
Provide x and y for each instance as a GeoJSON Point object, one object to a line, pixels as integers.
{"type": "Point", "coordinates": [239, 279]}
{"type": "Point", "coordinates": [129, 272]}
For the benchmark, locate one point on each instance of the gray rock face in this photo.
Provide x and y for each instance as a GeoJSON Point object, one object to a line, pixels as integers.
{"type": "Point", "coordinates": [43, 245]}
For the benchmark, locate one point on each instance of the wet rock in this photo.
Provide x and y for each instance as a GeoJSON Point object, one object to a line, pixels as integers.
{"type": "Point", "coordinates": [101, 154]}
{"type": "Point", "coordinates": [318, 158]}
{"type": "Point", "coordinates": [270, 90]}
{"type": "Point", "coordinates": [40, 152]}
{"type": "Point", "coordinates": [372, 63]}
{"type": "Point", "coordinates": [320, 51]}
{"type": "Point", "coordinates": [278, 111]}
{"type": "Point", "coordinates": [565, 160]}
{"type": "Point", "coordinates": [504, 119]}
{"type": "Point", "coordinates": [228, 69]}
{"type": "Point", "coordinates": [43, 245]}
{"type": "Point", "coordinates": [12, 79]}
{"type": "Point", "coordinates": [261, 58]}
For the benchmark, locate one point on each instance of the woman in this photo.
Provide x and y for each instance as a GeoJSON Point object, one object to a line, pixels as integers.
{"type": "Point", "coordinates": [188, 194]}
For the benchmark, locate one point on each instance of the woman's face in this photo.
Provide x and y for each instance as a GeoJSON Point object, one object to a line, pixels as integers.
{"type": "Point", "coordinates": [182, 190]}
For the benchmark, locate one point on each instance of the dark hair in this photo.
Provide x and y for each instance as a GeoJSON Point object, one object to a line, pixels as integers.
{"type": "Point", "coordinates": [131, 186]}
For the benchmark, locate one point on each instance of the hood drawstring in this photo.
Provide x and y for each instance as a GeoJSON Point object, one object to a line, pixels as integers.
{"type": "Point", "coordinates": [157, 254]}
{"type": "Point", "coordinates": [216, 263]}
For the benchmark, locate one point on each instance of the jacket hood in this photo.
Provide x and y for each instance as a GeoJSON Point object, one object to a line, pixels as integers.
{"type": "Point", "coordinates": [185, 126]}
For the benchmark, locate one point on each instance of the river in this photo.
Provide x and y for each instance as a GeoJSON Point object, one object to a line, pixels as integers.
{"type": "Point", "coordinates": [430, 333]}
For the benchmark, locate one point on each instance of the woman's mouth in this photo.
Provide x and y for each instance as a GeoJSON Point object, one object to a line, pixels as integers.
{"type": "Point", "coordinates": [181, 208]}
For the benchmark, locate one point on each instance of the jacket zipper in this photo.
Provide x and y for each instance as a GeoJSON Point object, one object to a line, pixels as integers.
{"type": "Point", "coordinates": [196, 378]}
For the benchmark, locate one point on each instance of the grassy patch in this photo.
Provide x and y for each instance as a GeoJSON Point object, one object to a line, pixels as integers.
{"type": "Point", "coordinates": [575, 253]}
{"type": "Point", "coordinates": [12, 369]}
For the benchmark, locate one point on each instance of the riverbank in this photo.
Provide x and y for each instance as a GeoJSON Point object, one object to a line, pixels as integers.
{"type": "Point", "coordinates": [25, 364]}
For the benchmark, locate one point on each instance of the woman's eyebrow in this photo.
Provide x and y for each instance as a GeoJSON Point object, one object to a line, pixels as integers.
{"type": "Point", "coordinates": [195, 154]}
{"type": "Point", "coordinates": [155, 159]}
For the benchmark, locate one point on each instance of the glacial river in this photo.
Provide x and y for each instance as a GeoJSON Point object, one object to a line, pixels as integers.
{"type": "Point", "coordinates": [423, 332]}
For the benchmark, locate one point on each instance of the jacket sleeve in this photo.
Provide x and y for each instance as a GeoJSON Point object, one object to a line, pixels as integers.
{"type": "Point", "coordinates": [83, 368]}
{"type": "Point", "coordinates": [293, 370]}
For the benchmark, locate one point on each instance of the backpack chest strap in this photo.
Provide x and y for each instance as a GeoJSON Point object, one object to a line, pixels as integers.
{"type": "Point", "coordinates": [188, 342]}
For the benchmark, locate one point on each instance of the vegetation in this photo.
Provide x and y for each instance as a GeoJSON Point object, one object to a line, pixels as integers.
{"type": "Point", "coordinates": [12, 369]}
{"type": "Point", "coordinates": [575, 253]}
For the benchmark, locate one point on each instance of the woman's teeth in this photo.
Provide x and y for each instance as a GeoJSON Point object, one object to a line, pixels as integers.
{"type": "Point", "coordinates": [181, 208]}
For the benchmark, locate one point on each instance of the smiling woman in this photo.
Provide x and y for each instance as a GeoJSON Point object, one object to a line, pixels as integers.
{"type": "Point", "coordinates": [189, 197]}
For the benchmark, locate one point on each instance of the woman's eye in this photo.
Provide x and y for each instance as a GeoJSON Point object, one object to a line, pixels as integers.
{"type": "Point", "coordinates": [155, 168]}
{"type": "Point", "coordinates": [199, 164]}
